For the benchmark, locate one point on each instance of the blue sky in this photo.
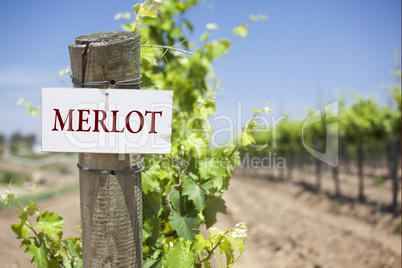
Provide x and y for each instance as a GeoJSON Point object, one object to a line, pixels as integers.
{"type": "Point", "coordinates": [308, 52]}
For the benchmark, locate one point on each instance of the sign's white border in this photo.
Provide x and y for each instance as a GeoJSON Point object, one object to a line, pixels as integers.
{"type": "Point", "coordinates": [96, 120]}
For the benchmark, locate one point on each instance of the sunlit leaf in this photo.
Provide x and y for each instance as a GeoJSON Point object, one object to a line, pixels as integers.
{"type": "Point", "coordinates": [242, 30]}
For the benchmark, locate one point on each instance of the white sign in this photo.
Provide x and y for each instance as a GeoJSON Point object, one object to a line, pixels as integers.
{"type": "Point", "coordinates": [96, 120]}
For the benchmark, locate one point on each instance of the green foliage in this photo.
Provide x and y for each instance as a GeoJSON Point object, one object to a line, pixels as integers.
{"type": "Point", "coordinates": [192, 79]}
{"type": "Point", "coordinates": [44, 240]}
{"type": "Point", "coordinates": [31, 110]}
{"type": "Point", "coordinates": [187, 253]}
{"type": "Point", "coordinates": [242, 30]}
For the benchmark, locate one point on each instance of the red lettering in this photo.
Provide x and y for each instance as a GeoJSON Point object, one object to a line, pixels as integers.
{"type": "Point", "coordinates": [114, 129]}
{"type": "Point", "coordinates": [81, 119]}
{"type": "Point", "coordinates": [100, 121]}
{"type": "Point", "coordinates": [63, 123]}
{"type": "Point", "coordinates": [141, 121]}
{"type": "Point", "coordinates": [153, 119]}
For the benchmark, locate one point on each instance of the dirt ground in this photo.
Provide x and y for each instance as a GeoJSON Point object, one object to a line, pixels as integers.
{"type": "Point", "coordinates": [288, 227]}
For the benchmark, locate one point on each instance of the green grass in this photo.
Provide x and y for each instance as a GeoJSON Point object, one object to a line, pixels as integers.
{"type": "Point", "coordinates": [380, 180]}
{"type": "Point", "coordinates": [39, 196]}
{"type": "Point", "coordinates": [398, 226]}
{"type": "Point", "coordinates": [335, 205]}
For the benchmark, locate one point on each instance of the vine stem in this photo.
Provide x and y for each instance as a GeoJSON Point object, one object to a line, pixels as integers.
{"type": "Point", "coordinates": [211, 252]}
{"type": "Point", "coordinates": [174, 186]}
{"type": "Point", "coordinates": [169, 48]}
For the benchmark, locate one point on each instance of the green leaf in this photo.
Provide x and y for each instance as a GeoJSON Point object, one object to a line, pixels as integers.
{"type": "Point", "coordinates": [214, 205]}
{"type": "Point", "coordinates": [146, 230]}
{"type": "Point", "coordinates": [226, 247]}
{"type": "Point", "coordinates": [207, 264]}
{"type": "Point", "coordinates": [21, 230]}
{"type": "Point", "coordinates": [55, 264]}
{"type": "Point", "coordinates": [262, 17]}
{"type": "Point", "coordinates": [204, 36]}
{"type": "Point", "coordinates": [242, 30]}
{"type": "Point", "coordinates": [189, 25]}
{"type": "Point", "coordinates": [238, 243]}
{"type": "Point", "coordinates": [152, 263]}
{"type": "Point", "coordinates": [50, 223]}
{"type": "Point", "coordinates": [8, 197]}
{"type": "Point", "coordinates": [149, 184]}
{"type": "Point", "coordinates": [246, 139]}
{"type": "Point", "coordinates": [194, 192]}
{"type": "Point", "coordinates": [39, 250]}
{"type": "Point", "coordinates": [144, 11]}
{"type": "Point", "coordinates": [185, 224]}
{"type": "Point", "coordinates": [137, 8]}
{"type": "Point", "coordinates": [253, 17]}
{"type": "Point", "coordinates": [32, 208]}
{"type": "Point", "coordinates": [203, 168]}
{"type": "Point", "coordinates": [148, 11]}
{"type": "Point", "coordinates": [75, 248]}
{"type": "Point", "coordinates": [180, 255]}
{"type": "Point", "coordinates": [241, 229]}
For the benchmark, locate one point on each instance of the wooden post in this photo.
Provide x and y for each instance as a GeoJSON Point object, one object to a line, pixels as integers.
{"type": "Point", "coordinates": [111, 205]}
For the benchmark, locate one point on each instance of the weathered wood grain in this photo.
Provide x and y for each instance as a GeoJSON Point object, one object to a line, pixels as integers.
{"type": "Point", "coordinates": [111, 205]}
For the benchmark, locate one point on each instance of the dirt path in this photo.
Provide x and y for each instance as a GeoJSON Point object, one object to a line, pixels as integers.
{"type": "Point", "coordinates": [288, 228]}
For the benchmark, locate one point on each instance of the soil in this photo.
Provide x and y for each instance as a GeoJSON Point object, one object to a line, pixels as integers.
{"type": "Point", "coordinates": [288, 226]}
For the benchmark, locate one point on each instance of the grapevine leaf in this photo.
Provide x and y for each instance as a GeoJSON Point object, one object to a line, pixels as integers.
{"type": "Point", "coordinates": [219, 175]}
{"type": "Point", "coordinates": [241, 229]}
{"type": "Point", "coordinates": [245, 139]}
{"type": "Point", "coordinates": [253, 17]}
{"type": "Point", "coordinates": [189, 25]}
{"type": "Point", "coordinates": [148, 11]}
{"type": "Point", "coordinates": [242, 30]}
{"type": "Point", "coordinates": [137, 8]}
{"type": "Point", "coordinates": [32, 208]}
{"type": "Point", "coordinates": [148, 182]}
{"type": "Point", "coordinates": [204, 168]}
{"type": "Point", "coordinates": [151, 263]}
{"type": "Point", "coordinates": [214, 205]}
{"type": "Point", "coordinates": [204, 36]}
{"type": "Point", "coordinates": [151, 205]}
{"type": "Point", "coordinates": [216, 234]}
{"type": "Point", "coordinates": [146, 229]}
{"type": "Point", "coordinates": [55, 264]}
{"type": "Point", "coordinates": [207, 264]}
{"type": "Point", "coordinates": [8, 197]}
{"type": "Point", "coordinates": [238, 243]}
{"type": "Point", "coordinates": [226, 247]}
{"type": "Point", "coordinates": [75, 247]}
{"type": "Point", "coordinates": [194, 192]}
{"type": "Point", "coordinates": [21, 230]}
{"type": "Point", "coordinates": [144, 11]}
{"type": "Point", "coordinates": [50, 223]}
{"type": "Point", "coordinates": [184, 224]}
{"type": "Point", "coordinates": [179, 255]}
{"type": "Point", "coordinates": [38, 249]}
